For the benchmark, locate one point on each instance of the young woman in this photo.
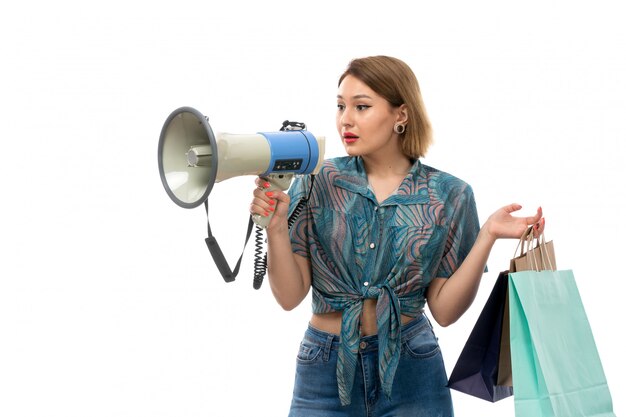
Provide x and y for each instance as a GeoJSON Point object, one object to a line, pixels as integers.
{"type": "Point", "coordinates": [380, 236]}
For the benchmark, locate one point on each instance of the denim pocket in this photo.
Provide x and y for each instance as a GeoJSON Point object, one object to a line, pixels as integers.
{"type": "Point", "coordinates": [308, 352]}
{"type": "Point", "coordinates": [423, 344]}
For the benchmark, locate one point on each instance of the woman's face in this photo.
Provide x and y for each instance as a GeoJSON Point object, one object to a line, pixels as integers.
{"type": "Point", "coordinates": [365, 120]}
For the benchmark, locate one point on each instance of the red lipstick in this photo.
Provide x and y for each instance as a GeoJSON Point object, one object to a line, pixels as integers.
{"type": "Point", "coordinates": [349, 137]}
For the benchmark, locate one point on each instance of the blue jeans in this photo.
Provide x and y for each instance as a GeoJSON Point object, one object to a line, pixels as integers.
{"type": "Point", "coordinates": [419, 386]}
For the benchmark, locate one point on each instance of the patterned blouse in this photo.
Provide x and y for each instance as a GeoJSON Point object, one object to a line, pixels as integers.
{"type": "Point", "coordinates": [390, 251]}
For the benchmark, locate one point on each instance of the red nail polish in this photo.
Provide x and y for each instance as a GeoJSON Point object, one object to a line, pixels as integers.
{"type": "Point", "coordinates": [272, 202]}
{"type": "Point", "coordinates": [269, 194]}
{"type": "Point", "coordinates": [266, 185]}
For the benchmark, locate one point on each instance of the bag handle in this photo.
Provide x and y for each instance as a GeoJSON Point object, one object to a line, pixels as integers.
{"type": "Point", "coordinates": [522, 240]}
{"type": "Point", "coordinates": [541, 242]}
{"type": "Point", "coordinates": [531, 254]}
{"type": "Point", "coordinates": [541, 245]}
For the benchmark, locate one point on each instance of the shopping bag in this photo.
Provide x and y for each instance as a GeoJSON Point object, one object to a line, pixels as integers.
{"type": "Point", "coordinates": [505, 372]}
{"type": "Point", "coordinates": [540, 257]}
{"type": "Point", "coordinates": [476, 369]}
{"type": "Point", "coordinates": [556, 367]}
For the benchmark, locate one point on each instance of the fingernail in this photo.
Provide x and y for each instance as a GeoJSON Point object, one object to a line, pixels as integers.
{"type": "Point", "coordinates": [271, 209]}
{"type": "Point", "coordinates": [266, 214]}
{"type": "Point", "coordinates": [269, 194]}
{"type": "Point", "coordinates": [272, 202]}
{"type": "Point", "coordinates": [266, 184]}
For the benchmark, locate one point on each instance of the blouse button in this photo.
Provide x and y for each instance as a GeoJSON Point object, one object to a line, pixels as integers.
{"type": "Point", "coordinates": [372, 245]}
{"type": "Point", "coordinates": [376, 208]}
{"type": "Point", "coordinates": [366, 283]}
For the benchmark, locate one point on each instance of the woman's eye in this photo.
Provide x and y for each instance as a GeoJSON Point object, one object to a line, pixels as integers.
{"type": "Point", "coordinates": [340, 107]}
{"type": "Point", "coordinates": [362, 107]}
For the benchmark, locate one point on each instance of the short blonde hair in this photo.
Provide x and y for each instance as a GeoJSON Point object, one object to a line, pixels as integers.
{"type": "Point", "coordinates": [394, 80]}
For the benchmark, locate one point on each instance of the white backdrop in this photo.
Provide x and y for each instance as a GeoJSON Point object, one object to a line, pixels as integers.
{"type": "Point", "coordinates": [110, 304]}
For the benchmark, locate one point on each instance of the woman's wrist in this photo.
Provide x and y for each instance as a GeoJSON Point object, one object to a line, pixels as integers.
{"type": "Point", "coordinates": [275, 231]}
{"type": "Point", "coordinates": [486, 236]}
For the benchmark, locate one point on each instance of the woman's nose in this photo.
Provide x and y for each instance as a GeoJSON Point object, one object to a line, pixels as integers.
{"type": "Point", "coordinates": [346, 118]}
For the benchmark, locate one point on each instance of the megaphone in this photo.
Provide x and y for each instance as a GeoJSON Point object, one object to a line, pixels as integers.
{"type": "Point", "coordinates": [192, 158]}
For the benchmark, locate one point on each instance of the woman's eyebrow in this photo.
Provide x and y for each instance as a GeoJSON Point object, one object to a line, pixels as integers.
{"type": "Point", "coordinates": [356, 96]}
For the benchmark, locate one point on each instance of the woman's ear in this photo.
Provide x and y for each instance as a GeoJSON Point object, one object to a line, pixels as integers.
{"type": "Point", "coordinates": [402, 114]}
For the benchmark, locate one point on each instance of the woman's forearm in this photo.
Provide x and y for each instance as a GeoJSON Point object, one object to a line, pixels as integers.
{"type": "Point", "coordinates": [449, 298]}
{"type": "Point", "coordinates": [288, 273]}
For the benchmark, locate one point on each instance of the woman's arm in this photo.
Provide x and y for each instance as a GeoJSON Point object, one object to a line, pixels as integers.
{"type": "Point", "coordinates": [449, 298]}
{"type": "Point", "coordinates": [289, 274]}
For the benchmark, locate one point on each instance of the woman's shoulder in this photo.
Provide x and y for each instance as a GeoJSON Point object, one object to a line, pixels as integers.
{"type": "Point", "coordinates": [431, 172]}
{"type": "Point", "coordinates": [443, 181]}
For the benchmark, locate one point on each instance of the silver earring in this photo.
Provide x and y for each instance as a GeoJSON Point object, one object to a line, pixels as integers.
{"type": "Point", "coordinates": [399, 128]}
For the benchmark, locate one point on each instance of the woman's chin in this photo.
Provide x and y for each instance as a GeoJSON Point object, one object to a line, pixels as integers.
{"type": "Point", "coordinates": [350, 150]}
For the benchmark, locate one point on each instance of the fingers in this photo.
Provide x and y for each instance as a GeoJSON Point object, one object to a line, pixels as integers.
{"type": "Point", "coordinates": [536, 218]}
{"type": "Point", "coordinates": [540, 226]}
{"type": "Point", "coordinates": [537, 221]}
{"type": "Point", "coordinates": [512, 208]}
{"type": "Point", "coordinates": [261, 183]}
{"type": "Point", "coordinates": [502, 224]}
{"type": "Point", "coordinates": [266, 201]}
{"type": "Point", "coordinates": [263, 202]}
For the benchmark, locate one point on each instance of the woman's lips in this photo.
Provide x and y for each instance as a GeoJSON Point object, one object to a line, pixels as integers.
{"type": "Point", "coordinates": [349, 137]}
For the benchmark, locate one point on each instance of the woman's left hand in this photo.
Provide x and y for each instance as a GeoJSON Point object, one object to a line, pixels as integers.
{"type": "Point", "coordinates": [501, 224]}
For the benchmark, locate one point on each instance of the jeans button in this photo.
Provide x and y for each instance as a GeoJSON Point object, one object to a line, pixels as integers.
{"type": "Point", "coordinates": [362, 345]}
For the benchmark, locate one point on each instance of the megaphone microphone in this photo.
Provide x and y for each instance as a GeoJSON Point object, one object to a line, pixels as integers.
{"type": "Point", "coordinates": [192, 159]}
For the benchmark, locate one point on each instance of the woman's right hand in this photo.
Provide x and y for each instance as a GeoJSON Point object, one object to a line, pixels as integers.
{"type": "Point", "coordinates": [502, 224]}
{"type": "Point", "coordinates": [266, 203]}
{"type": "Point", "coordinates": [289, 274]}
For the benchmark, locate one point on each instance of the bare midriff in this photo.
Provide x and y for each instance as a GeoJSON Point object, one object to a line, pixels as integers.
{"type": "Point", "coordinates": [331, 322]}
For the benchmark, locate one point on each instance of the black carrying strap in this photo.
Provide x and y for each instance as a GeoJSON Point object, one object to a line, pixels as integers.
{"type": "Point", "coordinates": [217, 254]}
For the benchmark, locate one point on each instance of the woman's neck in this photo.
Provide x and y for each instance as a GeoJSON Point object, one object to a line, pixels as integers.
{"type": "Point", "coordinates": [386, 174]}
{"type": "Point", "coordinates": [381, 167]}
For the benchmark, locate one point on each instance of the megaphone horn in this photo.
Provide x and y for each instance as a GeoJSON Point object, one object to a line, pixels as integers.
{"type": "Point", "coordinates": [192, 158]}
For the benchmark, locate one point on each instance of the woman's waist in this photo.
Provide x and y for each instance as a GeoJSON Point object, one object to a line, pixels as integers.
{"type": "Point", "coordinates": [331, 340]}
{"type": "Point", "coordinates": [331, 322]}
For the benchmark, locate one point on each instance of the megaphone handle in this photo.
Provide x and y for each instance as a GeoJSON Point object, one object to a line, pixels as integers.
{"type": "Point", "coordinates": [277, 182]}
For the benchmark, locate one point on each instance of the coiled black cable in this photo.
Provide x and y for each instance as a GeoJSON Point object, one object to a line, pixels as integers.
{"type": "Point", "coordinates": [260, 262]}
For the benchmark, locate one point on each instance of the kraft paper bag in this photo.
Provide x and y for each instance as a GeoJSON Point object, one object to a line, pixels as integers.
{"type": "Point", "coordinates": [540, 257]}
{"type": "Point", "coordinates": [505, 372]}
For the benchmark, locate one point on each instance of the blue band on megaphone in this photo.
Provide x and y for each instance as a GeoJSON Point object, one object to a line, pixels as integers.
{"type": "Point", "coordinates": [293, 151]}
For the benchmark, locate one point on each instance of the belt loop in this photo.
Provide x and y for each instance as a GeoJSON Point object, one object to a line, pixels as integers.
{"type": "Point", "coordinates": [328, 346]}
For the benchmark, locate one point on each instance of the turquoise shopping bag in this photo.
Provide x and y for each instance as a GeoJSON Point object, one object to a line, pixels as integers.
{"type": "Point", "coordinates": [556, 367]}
